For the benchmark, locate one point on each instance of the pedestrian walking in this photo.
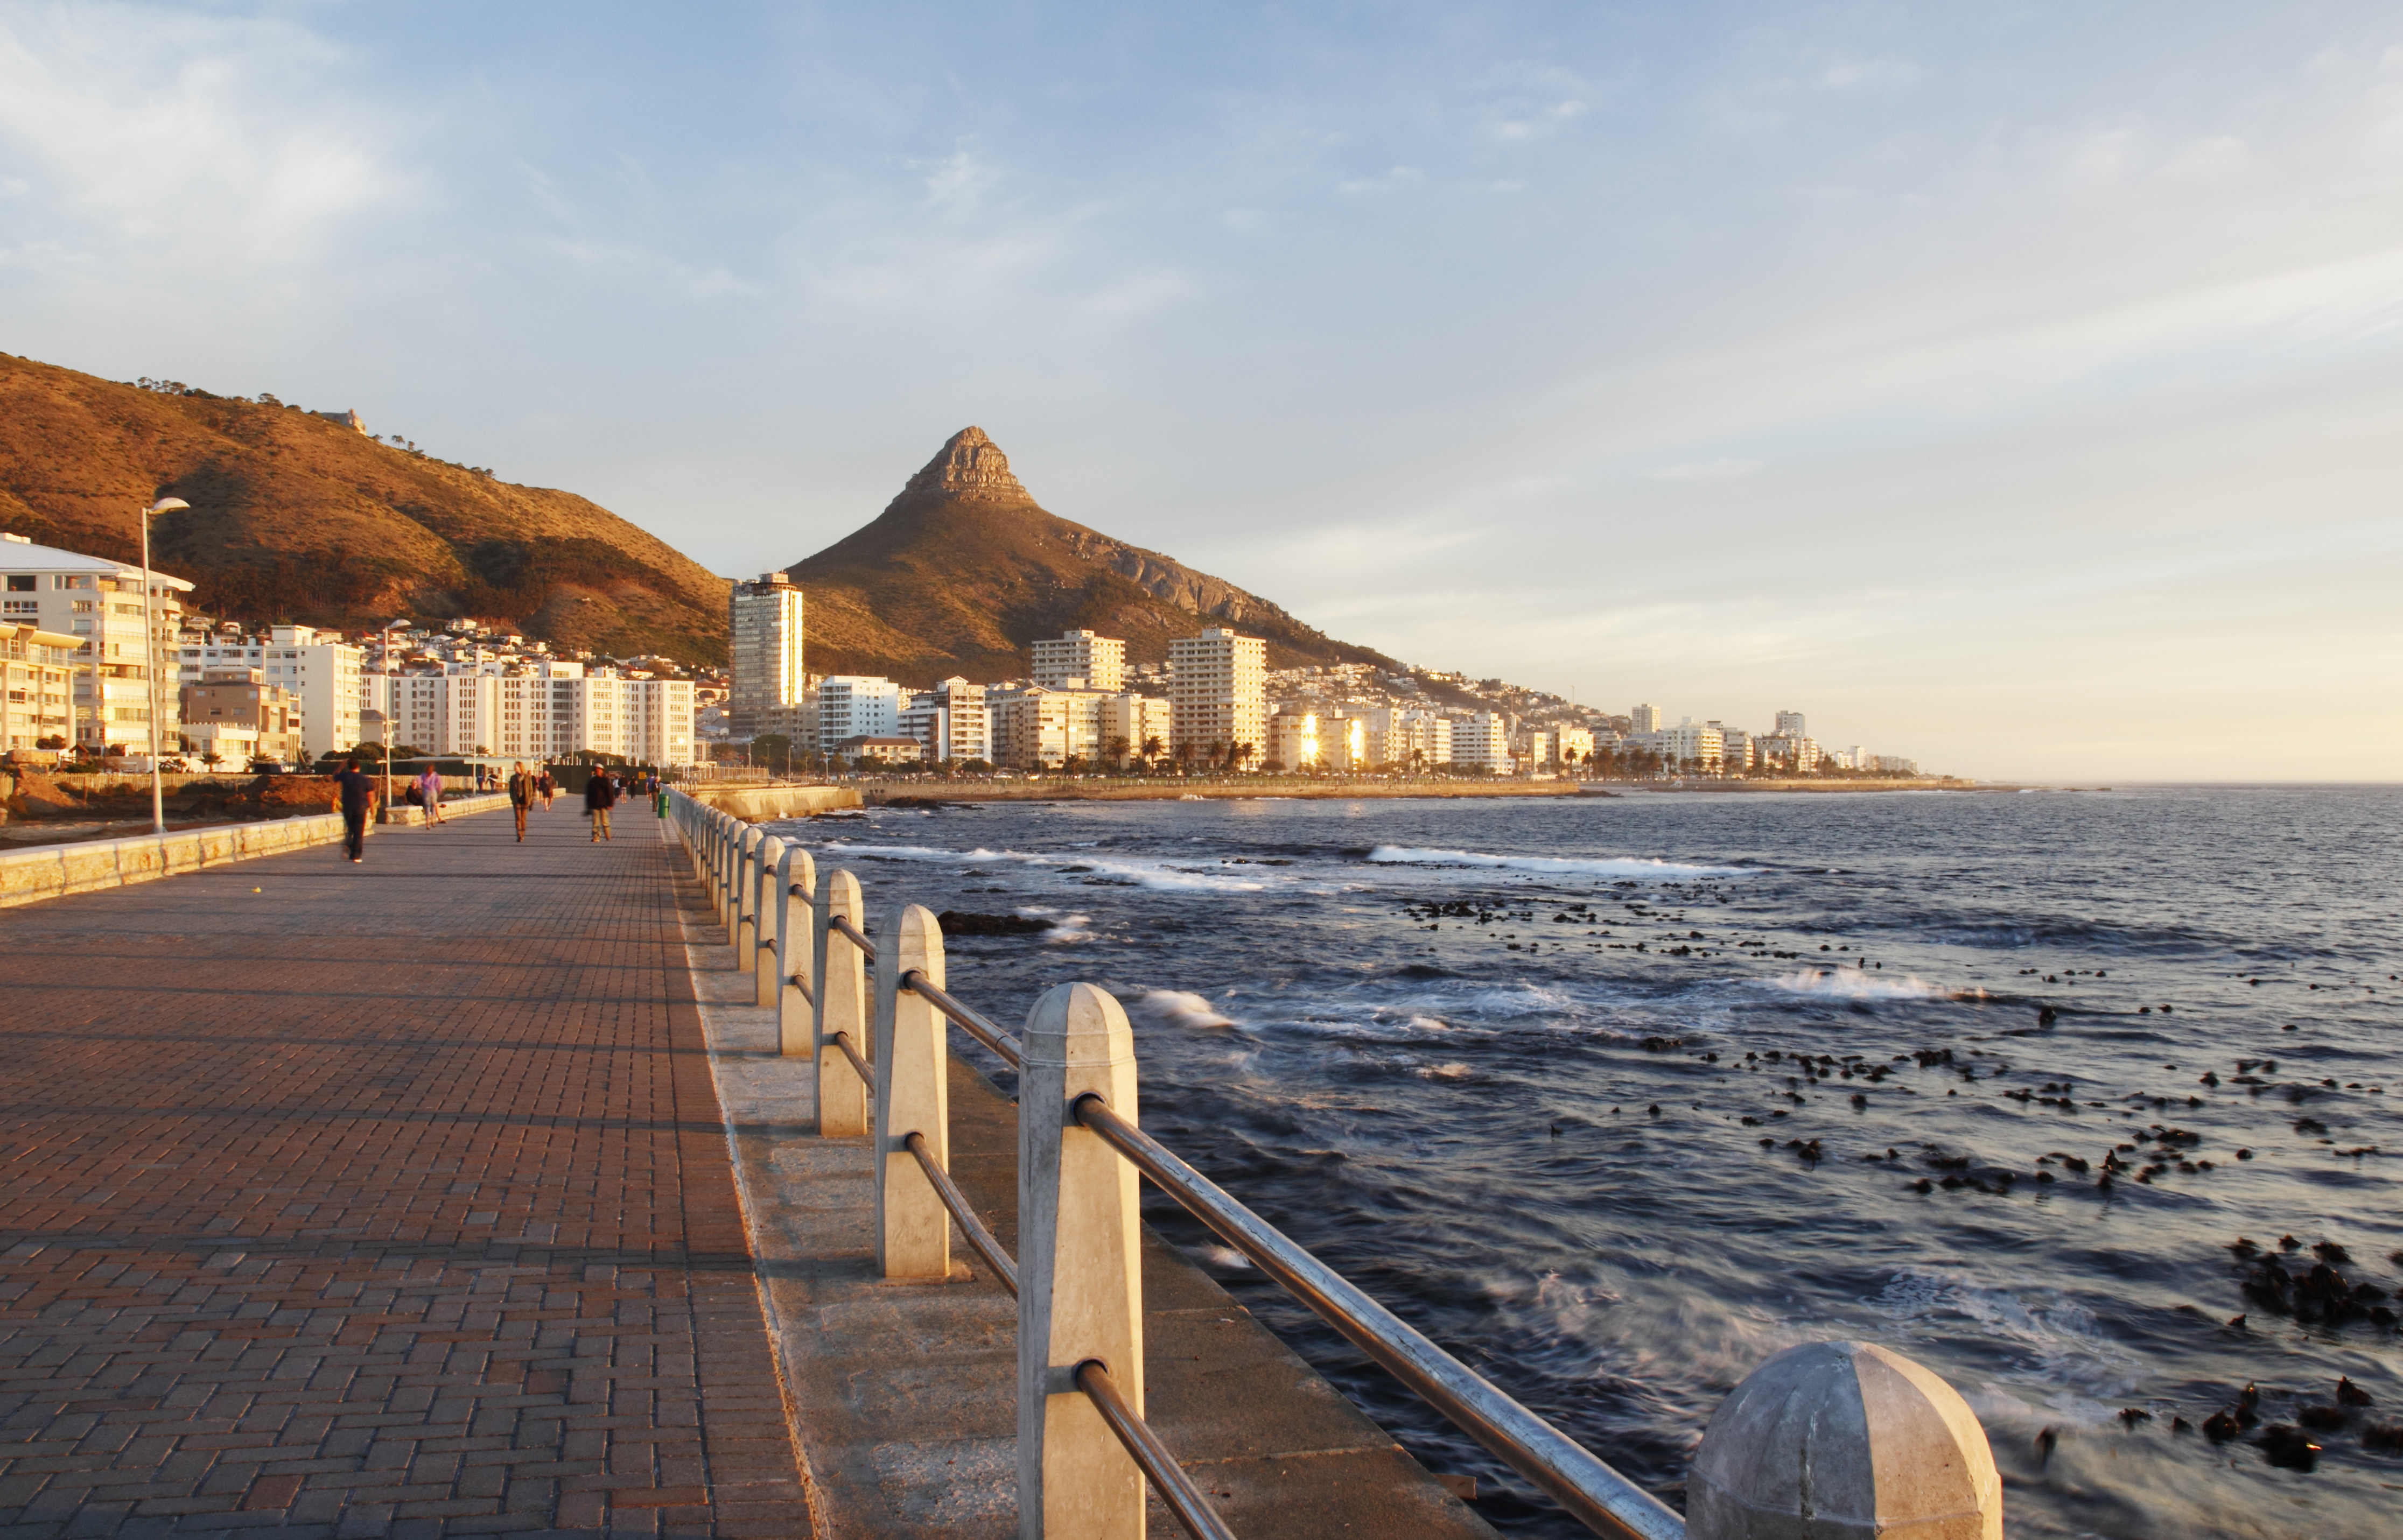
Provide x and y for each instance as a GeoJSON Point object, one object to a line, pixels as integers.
{"type": "Point", "coordinates": [522, 795]}
{"type": "Point", "coordinates": [429, 787]}
{"type": "Point", "coordinates": [357, 792]}
{"type": "Point", "coordinates": [549, 787]}
{"type": "Point", "coordinates": [599, 796]}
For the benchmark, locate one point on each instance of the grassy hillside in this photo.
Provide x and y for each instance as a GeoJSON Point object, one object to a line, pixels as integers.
{"type": "Point", "coordinates": [296, 518]}
{"type": "Point", "coordinates": [963, 571]}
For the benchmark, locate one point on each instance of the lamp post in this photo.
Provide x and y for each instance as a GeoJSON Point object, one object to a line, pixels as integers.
{"type": "Point", "coordinates": [392, 702]}
{"type": "Point", "coordinates": [151, 653]}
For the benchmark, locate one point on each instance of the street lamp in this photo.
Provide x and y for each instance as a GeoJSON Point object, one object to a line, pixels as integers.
{"type": "Point", "coordinates": [392, 705]}
{"type": "Point", "coordinates": [152, 652]}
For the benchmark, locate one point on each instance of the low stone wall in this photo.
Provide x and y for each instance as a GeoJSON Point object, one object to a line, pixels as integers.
{"type": "Point", "coordinates": [758, 804]}
{"type": "Point", "coordinates": [51, 871]}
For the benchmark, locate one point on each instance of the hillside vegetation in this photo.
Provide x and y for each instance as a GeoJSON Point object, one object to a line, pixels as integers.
{"type": "Point", "coordinates": [296, 518]}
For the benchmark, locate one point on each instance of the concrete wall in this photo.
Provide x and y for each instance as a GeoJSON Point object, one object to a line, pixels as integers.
{"type": "Point", "coordinates": [758, 804]}
{"type": "Point", "coordinates": [50, 871]}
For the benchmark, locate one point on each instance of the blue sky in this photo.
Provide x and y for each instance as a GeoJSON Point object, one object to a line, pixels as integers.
{"type": "Point", "coordinates": [2015, 387]}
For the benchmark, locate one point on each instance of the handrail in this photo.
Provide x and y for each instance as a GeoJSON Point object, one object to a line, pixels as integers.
{"type": "Point", "coordinates": [976, 1024]}
{"type": "Point", "coordinates": [842, 1041]}
{"type": "Point", "coordinates": [1158, 1464]}
{"type": "Point", "coordinates": [1597, 1495]}
{"type": "Point", "coordinates": [970, 1226]}
{"type": "Point", "coordinates": [801, 982]}
{"type": "Point", "coordinates": [842, 924]}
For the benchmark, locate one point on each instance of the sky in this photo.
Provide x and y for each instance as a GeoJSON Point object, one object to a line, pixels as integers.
{"type": "Point", "coordinates": [2018, 388]}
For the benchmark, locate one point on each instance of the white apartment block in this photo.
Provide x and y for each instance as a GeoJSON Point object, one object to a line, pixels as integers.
{"type": "Point", "coordinates": [1739, 750]}
{"type": "Point", "coordinates": [950, 722]}
{"type": "Point", "coordinates": [318, 670]}
{"type": "Point", "coordinates": [1139, 719]}
{"type": "Point", "coordinates": [1536, 753]}
{"type": "Point", "coordinates": [1080, 660]}
{"type": "Point", "coordinates": [1218, 691]}
{"type": "Point", "coordinates": [1408, 739]}
{"type": "Point", "coordinates": [539, 714]}
{"type": "Point", "coordinates": [1644, 719]}
{"type": "Point", "coordinates": [35, 666]}
{"type": "Point", "coordinates": [1789, 724]}
{"type": "Point", "coordinates": [1483, 739]}
{"type": "Point", "coordinates": [764, 645]}
{"type": "Point", "coordinates": [1293, 741]}
{"type": "Point", "coordinates": [100, 603]}
{"type": "Point", "coordinates": [1575, 744]}
{"type": "Point", "coordinates": [855, 705]}
{"type": "Point", "coordinates": [1699, 743]}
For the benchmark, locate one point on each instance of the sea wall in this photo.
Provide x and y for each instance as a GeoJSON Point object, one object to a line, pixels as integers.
{"type": "Point", "coordinates": [37, 872]}
{"type": "Point", "coordinates": [758, 804]}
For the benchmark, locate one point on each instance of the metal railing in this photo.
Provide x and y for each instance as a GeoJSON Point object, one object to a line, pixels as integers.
{"type": "Point", "coordinates": [1076, 1067]}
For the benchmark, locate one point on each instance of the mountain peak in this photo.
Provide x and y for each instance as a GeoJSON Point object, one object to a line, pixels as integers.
{"type": "Point", "coordinates": [968, 462]}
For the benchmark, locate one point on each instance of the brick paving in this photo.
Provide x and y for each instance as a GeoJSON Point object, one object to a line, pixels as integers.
{"type": "Point", "coordinates": [390, 1200]}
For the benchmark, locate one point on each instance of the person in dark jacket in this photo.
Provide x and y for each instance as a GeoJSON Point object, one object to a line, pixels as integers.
{"type": "Point", "coordinates": [522, 795]}
{"type": "Point", "coordinates": [599, 796]}
{"type": "Point", "coordinates": [357, 794]}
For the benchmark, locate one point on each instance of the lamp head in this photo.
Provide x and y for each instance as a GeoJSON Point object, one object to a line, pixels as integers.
{"type": "Point", "coordinates": [168, 505]}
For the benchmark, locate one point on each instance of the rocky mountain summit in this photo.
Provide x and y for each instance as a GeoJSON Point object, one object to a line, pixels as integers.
{"type": "Point", "coordinates": [964, 569]}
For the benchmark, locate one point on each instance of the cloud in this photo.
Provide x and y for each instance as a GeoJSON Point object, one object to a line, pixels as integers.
{"type": "Point", "coordinates": [1704, 471]}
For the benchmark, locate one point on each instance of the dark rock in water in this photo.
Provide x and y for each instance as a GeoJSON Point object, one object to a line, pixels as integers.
{"type": "Point", "coordinates": [2320, 1419]}
{"type": "Point", "coordinates": [2045, 1441]}
{"type": "Point", "coordinates": [2333, 1254]}
{"type": "Point", "coordinates": [2248, 1405]}
{"type": "Point", "coordinates": [1663, 1045]}
{"type": "Point", "coordinates": [2130, 1416]}
{"type": "Point", "coordinates": [930, 803]}
{"type": "Point", "coordinates": [2219, 1427]}
{"type": "Point", "coordinates": [2288, 1447]}
{"type": "Point", "coordinates": [2383, 1438]}
{"type": "Point", "coordinates": [2350, 1395]}
{"type": "Point", "coordinates": [961, 922]}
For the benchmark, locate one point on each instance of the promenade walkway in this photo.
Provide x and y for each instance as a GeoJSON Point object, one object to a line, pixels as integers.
{"type": "Point", "coordinates": [378, 1199]}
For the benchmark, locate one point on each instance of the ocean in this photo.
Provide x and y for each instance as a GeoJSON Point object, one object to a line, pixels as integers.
{"type": "Point", "coordinates": [1614, 1097]}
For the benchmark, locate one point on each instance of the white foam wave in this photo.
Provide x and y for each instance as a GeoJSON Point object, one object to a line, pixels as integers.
{"type": "Point", "coordinates": [1181, 1009]}
{"type": "Point", "coordinates": [1619, 866]}
{"type": "Point", "coordinates": [1156, 875]}
{"type": "Point", "coordinates": [1853, 984]}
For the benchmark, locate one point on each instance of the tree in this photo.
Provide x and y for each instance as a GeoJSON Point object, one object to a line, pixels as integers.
{"type": "Point", "coordinates": [55, 740]}
{"type": "Point", "coordinates": [1273, 767]}
{"type": "Point", "coordinates": [1117, 751]}
{"type": "Point", "coordinates": [1241, 753]}
{"type": "Point", "coordinates": [770, 748]}
{"type": "Point", "coordinates": [1184, 756]}
{"type": "Point", "coordinates": [1152, 748]}
{"type": "Point", "coordinates": [211, 758]}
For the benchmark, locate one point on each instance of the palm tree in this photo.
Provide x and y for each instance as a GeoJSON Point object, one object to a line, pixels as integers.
{"type": "Point", "coordinates": [1118, 752]}
{"type": "Point", "coordinates": [1152, 748]}
{"type": "Point", "coordinates": [1244, 752]}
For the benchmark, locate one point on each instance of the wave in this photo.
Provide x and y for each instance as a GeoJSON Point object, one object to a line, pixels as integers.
{"type": "Point", "coordinates": [1853, 984]}
{"type": "Point", "coordinates": [1180, 1008]}
{"type": "Point", "coordinates": [1157, 875]}
{"type": "Point", "coordinates": [1619, 866]}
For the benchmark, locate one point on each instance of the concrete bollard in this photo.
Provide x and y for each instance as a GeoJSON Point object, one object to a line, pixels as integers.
{"type": "Point", "coordinates": [842, 1006]}
{"type": "Point", "coordinates": [913, 1229]}
{"type": "Point", "coordinates": [1080, 1272]}
{"type": "Point", "coordinates": [761, 958]}
{"type": "Point", "coordinates": [797, 881]}
{"type": "Point", "coordinates": [742, 922]}
{"type": "Point", "coordinates": [1843, 1441]}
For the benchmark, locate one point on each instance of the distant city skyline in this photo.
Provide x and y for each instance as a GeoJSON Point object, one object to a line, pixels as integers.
{"type": "Point", "coordinates": [2018, 388]}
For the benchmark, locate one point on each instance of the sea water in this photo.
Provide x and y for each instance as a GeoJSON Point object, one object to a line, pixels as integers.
{"type": "Point", "coordinates": [1615, 1097]}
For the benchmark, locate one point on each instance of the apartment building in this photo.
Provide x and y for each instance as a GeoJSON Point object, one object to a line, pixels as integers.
{"type": "Point", "coordinates": [116, 663]}
{"type": "Point", "coordinates": [233, 716]}
{"type": "Point", "coordinates": [1575, 745]}
{"type": "Point", "coordinates": [36, 682]}
{"type": "Point", "coordinates": [764, 623]}
{"type": "Point", "coordinates": [1698, 745]}
{"type": "Point", "coordinates": [1080, 660]}
{"type": "Point", "coordinates": [539, 713]}
{"type": "Point", "coordinates": [1790, 725]}
{"type": "Point", "coordinates": [950, 722]}
{"type": "Point", "coordinates": [1292, 741]}
{"type": "Point", "coordinates": [1644, 719]}
{"type": "Point", "coordinates": [1484, 739]}
{"type": "Point", "coordinates": [1535, 750]}
{"type": "Point", "coordinates": [1409, 739]}
{"type": "Point", "coordinates": [1218, 691]}
{"type": "Point", "coordinates": [1138, 719]}
{"type": "Point", "coordinates": [855, 705]}
{"type": "Point", "coordinates": [318, 670]}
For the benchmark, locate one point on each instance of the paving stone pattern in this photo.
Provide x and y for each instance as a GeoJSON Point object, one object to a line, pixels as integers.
{"type": "Point", "coordinates": [391, 1199]}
